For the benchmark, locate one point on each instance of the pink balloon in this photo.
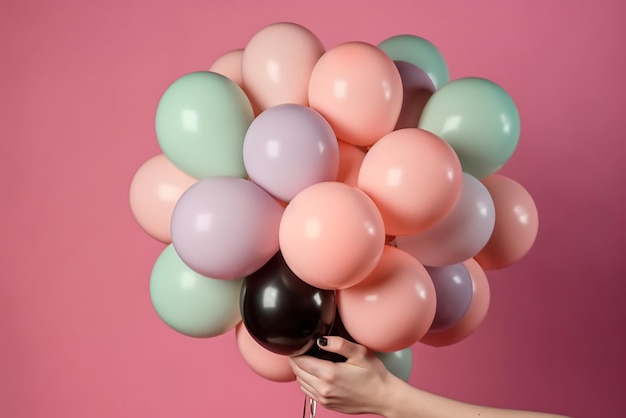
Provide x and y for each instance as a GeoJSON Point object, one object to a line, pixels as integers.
{"type": "Point", "coordinates": [229, 65]}
{"type": "Point", "coordinates": [289, 147]}
{"type": "Point", "coordinates": [461, 234]}
{"type": "Point", "coordinates": [156, 187]}
{"type": "Point", "coordinates": [358, 89]}
{"type": "Point", "coordinates": [350, 160]}
{"type": "Point", "coordinates": [331, 235]}
{"type": "Point", "coordinates": [271, 366]}
{"type": "Point", "coordinates": [516, 226]}
{"type": "Point", "coordinates": [414, 177]}
{"type": "Point", "coordinates": [277, 64]}
{"type": "Point", "coordinates": [393, 307]}
{"type": "Point", "coordinates": [226, 227]}
{"type": "Point", "coordinates": [475, 314]}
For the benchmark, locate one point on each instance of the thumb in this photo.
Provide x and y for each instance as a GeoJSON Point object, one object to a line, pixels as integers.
{"type": "Point", "coordinates": [343, 347]}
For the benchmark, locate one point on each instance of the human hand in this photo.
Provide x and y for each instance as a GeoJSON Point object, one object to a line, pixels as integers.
{"type": "Point", "coordinates": [355, 386]}
{"type": "Point", "coordinates": [362, 384]}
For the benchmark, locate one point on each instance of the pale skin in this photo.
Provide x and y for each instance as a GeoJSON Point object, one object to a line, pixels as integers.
{"type": "Point", "coordinates": [362, 385]}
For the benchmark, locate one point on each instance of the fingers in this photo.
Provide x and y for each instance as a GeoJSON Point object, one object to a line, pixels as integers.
{"type": "Point", "coordinates": [309, 382]}
{"type": "Point", "coordinates": [307, 391]}
{"type": "Point", "coordinates": [312, 386]}
{"type": "Point", "coordinates": [343, 347]}
{"type": "Point", "coordinates": [307, 388]}
{"type": "Point", "coordinates": [306, 363]}
{"type": "Point", "coordinates": [317, 372]}
{"type": "Point", "coordinates": [312, 369]}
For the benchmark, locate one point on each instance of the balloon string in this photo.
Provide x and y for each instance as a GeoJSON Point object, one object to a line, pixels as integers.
{"type": "Point", "coordinates": [309, 403]}
{"type": "Point", "coordinates": [311, 406]}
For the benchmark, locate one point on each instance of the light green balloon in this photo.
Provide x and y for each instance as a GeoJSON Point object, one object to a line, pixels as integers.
{"type": "Point", "coordinates": [399, 363]}
{"type": "Point", "coordinates": [201, 122]}
{"type": "Point", "coordinates": [419, 52]}
{"type": "Point", "coordinates": [478, 119]}
{"type": "Point", "coordinates": [190, 303]}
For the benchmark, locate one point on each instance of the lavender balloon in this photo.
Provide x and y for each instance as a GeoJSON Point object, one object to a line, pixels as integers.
{"type": "Point", "coordinates": [417, 88]}
{"type": "Point", "coordinates": [461, 234]}
{"type": "Point", "coordinates": [225, 227]}
{"type": "Point", "coordinates": [453, 287]}
{"type": "Point", "coordinates": [289, 147]}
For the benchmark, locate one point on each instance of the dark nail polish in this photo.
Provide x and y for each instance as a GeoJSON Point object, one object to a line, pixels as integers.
{"type": "Point", "coordinates": [322, 341]}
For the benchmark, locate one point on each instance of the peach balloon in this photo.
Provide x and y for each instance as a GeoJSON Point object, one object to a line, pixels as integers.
{"type": "Point", "coordinates": [154, 190]}
{"type": "Point", "coordinates": [331, 235]}
{"type": "Point", "coordinates": [269, 365]}
{"type": "Point", "coordinates": [393, 307]}
{"type": "Point", "coordinates": [475, 314]}
{"type": "Point", "coordinates": [358, 89]}
{"type": "Point", "coordinates": [277, 64]}
{"type": "Point", "coordinates": [229, 65]}
{"type": "Point", "coordinates": [350, 159]}
{"type": "Point", "coordinates": [516, 226]}
{"type": "Point", "coordinates": [414, 177]}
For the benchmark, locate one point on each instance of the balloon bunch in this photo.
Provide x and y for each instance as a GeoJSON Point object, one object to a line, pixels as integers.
{"type": "Point", "coordinates": [305, 191]}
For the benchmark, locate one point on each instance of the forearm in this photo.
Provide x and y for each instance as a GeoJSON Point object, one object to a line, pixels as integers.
{"type": "Point", "coordinates": [404, 401]}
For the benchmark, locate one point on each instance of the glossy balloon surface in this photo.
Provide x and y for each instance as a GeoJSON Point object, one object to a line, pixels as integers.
{"type": "Point", "coordinates": [282, 313]}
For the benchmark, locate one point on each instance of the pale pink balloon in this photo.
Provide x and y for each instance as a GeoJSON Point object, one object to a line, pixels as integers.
{"type": "Point", "coordinates": [277, 64]}
{"type": "Point", "coordinates": [516, 226]}
{"type": "Point", "coordinates": [269, 365]}
{"type": "Point", "coordinates": [358, 89]}
{"type": "Point", "coordinates": [229, 65]}
{"type": "Point", "coordinates": [154, 190]}
{"type": "Point", "coordinates": [414, 177]}
{"type": "Point", "coordinates": [474, 316]}
{"type": "Point", "coordinates": [331, 235]}
{"type": "Point", "coordinates": [393, 307]}
{"type": "Point", "coordinates": [350, 160]}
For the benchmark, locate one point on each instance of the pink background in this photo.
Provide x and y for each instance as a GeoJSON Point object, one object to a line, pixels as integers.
{"type": "Point", "coordinates": [79, 83]}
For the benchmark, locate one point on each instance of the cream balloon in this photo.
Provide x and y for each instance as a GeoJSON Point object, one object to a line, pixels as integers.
{"type": "Point", "coordinates": [277, 64]}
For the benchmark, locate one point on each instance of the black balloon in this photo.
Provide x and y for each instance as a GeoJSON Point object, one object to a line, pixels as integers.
{"type": "Point", "coordinates": [283, 313]}
{"type": "Point", "coordinates": [337, 329]}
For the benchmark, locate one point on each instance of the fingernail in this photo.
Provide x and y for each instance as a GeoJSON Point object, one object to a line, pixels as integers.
{"type": "Point", "coordinates": [323, 341]}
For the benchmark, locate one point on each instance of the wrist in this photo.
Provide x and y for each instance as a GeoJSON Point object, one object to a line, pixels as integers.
{"type": "Point", "coordinates": [394, 396]}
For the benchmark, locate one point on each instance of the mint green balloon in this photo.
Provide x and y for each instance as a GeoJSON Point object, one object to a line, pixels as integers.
{"type": "Point", "coordinates": [478, 119]}
{"type": "Point", "coordinates": [419, 52]}
{"type": "Point", "coordinates": [190, 303]}
{"type": "Point", "coordinates": [399, 363]}
{"type": "Point", "coordinates": [201, 122]}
